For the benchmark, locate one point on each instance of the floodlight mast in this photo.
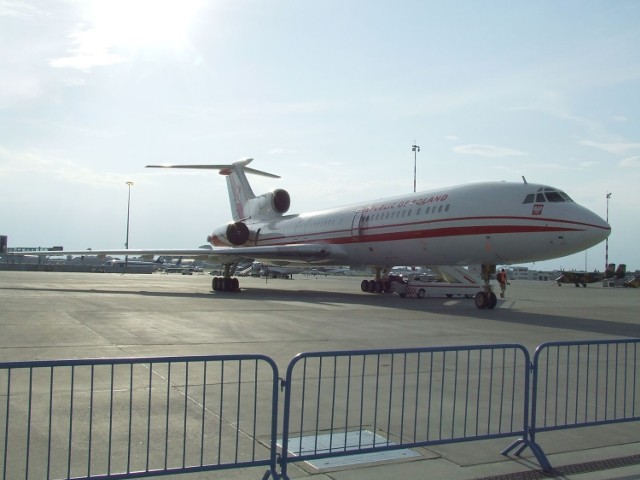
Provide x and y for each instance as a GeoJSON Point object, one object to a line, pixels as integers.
{"type": "Point", "coordinates": [126, 242]}
{"type": "Point", "coordinates": [415, 149]}
{"type": "Point", "coordinates": [606, 241]}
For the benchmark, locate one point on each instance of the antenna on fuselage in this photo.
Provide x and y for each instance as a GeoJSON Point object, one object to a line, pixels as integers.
{"type": "Point", "coordinates": [524, 180]}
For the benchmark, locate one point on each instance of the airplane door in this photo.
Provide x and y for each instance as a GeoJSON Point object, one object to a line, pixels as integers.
{"type": "Point", "coordinates": [356, 225]}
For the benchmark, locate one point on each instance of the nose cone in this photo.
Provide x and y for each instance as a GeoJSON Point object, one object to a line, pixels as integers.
{"type": "Point", "coordinates": [596, 229]}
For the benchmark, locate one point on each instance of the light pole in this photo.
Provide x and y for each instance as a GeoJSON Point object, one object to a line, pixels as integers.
{"type": "Point", "coordinates": [126, 242]}
{"type": "Point", "coordinates": [415, 149]}
{"type": "Point", "coordinates": [606, 242]}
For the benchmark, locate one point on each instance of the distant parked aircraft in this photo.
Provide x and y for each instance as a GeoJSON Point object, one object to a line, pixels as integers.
{"type": "Point", "coordinates": [582, 278]}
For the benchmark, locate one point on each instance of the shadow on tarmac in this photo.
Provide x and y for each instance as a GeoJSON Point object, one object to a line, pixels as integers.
{"type": "Point", "coordinates": [457, 306]}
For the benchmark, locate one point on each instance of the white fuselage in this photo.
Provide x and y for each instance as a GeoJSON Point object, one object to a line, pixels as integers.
{"type": "Point", "coordinates": [483, 223]}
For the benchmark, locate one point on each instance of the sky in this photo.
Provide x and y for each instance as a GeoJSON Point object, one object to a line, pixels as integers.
{"type": "Point", "coordinates": [330, 95]}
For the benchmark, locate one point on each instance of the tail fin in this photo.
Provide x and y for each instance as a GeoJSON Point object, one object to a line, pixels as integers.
{"type": "Point", "coordinates": [240, 191]}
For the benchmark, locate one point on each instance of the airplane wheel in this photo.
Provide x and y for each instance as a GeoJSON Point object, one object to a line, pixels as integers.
{"type": "Point", "coordinates": [372, 286]}
{"type": "Point", "coordinates": [235, 284]}
{"type": "Point", "coordinates": [379, 286]}
{"type": "Point", "coordinates": [492, 301]}
{"type": "Point", "coordinates": [481, 300]}
{"type": "Point", "coordinates": [421, 293]}
{"type": "Point", "coordinates": [364, 286]}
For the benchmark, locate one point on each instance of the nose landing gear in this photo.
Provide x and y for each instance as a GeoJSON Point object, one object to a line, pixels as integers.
{"type": "Point", "coordinates": [486, 299]}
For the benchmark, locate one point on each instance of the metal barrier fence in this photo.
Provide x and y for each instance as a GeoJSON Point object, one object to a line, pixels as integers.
{"type": "Point", "coordinates": [580, 384]}
{"type": "Point", "coordinates": [341, 403]}
{"type": "Point", "coordinates": [130, 418]}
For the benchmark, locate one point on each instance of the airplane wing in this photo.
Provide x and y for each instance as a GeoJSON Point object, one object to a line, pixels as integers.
{"type": "Point", "coordinates": [282, 254]}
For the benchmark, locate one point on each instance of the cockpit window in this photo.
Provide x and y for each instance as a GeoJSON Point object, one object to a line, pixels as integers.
{"type": "Point", "coordinates": [556, 195]}
{"type": "Point", "coordinates": [547, 195]}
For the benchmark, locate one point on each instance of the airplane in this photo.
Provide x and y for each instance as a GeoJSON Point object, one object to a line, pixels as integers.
{"type": "Point", "coordinates": [633, 282]}
{"type": "Point", "coordinates": [273, 271]}
{"type": "Point", "coordinates": [485, 223]}
{"type": "Point", "coordinates": [582, 278]}
{"type": "Point", "coordinates": [579, 278]}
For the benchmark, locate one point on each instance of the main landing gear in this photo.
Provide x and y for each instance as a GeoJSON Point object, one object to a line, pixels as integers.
{"type": "Point", "coordinates": [486, 299]}
{"type": "Point", "coordinates": [225, 283]}
{"type": "Point", "coordinates": [377, 285]}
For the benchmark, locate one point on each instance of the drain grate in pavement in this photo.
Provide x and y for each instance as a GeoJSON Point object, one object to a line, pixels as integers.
{"type": "Point", "coordinates": [353, 440]}
{"type": "Point", "coordinates": [575, 469]}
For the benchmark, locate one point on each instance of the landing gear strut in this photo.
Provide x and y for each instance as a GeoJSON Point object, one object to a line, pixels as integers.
{"type": "Point", "coordinates": [226, 283]}
{"type": "Point", "coordinates": [486, 298]}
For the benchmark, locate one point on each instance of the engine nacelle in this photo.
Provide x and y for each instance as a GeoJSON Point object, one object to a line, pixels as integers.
{"type": "Point", "coordinates": [269, 204]}
{"type": "Point", "coordinates": [233, 234]}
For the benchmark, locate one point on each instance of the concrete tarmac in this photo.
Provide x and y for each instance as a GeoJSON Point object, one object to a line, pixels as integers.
{"type": "Point", "coordinates": [51, 315]}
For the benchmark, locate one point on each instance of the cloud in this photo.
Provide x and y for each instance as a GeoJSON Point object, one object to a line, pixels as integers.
{"type": "Point", "coordinates": [14, 164]}
{"type": "Point", "coordinates": [282, 151]}
{"type": "Point", "coordinates": [17, 87]}
{"type": "Point", "coordinates": [589, 163]}
{"type": "Point", "coordinates": [487, 151]}
{"type": "Point", "coordinates": [619, 118]}
{"type": "Point", "coordinates": [630, 162]}
{"type": "Point", "coordinates": [91, 50]}
{"type": "Point", "coordinates": [16, 8]}
{"type": "Point", "coordinates": [618, 148]}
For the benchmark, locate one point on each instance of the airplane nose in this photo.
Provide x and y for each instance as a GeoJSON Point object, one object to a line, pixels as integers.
{"type": "Point", "coordinates": [597, 228]}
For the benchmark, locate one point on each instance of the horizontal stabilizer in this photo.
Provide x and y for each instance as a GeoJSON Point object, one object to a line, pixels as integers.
{"type": "Point", "coordinates": [242, 163]}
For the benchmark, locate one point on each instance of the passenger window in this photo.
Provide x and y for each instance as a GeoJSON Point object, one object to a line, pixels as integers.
{"type": "Point", "coordinates": [446, 209]}
{"type": "Point", "coordinates": [440, 209]}
{"type": "Point", "coordinates": [426, 211]}
{"type": "Point", "coordinates": [529, 198]}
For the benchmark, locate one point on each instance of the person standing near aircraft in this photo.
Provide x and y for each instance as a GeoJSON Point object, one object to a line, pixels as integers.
{"type": "Point", "coordinates": [502, 280]}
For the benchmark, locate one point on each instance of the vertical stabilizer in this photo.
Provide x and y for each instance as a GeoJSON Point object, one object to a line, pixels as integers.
{"type": "Point", "coordinates": [240, 192]}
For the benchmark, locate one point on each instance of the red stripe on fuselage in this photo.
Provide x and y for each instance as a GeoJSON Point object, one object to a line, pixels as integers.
{"type": "Point", "coordinates": [344, 236]}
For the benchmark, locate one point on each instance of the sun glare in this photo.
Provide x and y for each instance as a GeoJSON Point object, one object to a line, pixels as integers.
{"type": "Point", "coordinates": [145, 23]}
